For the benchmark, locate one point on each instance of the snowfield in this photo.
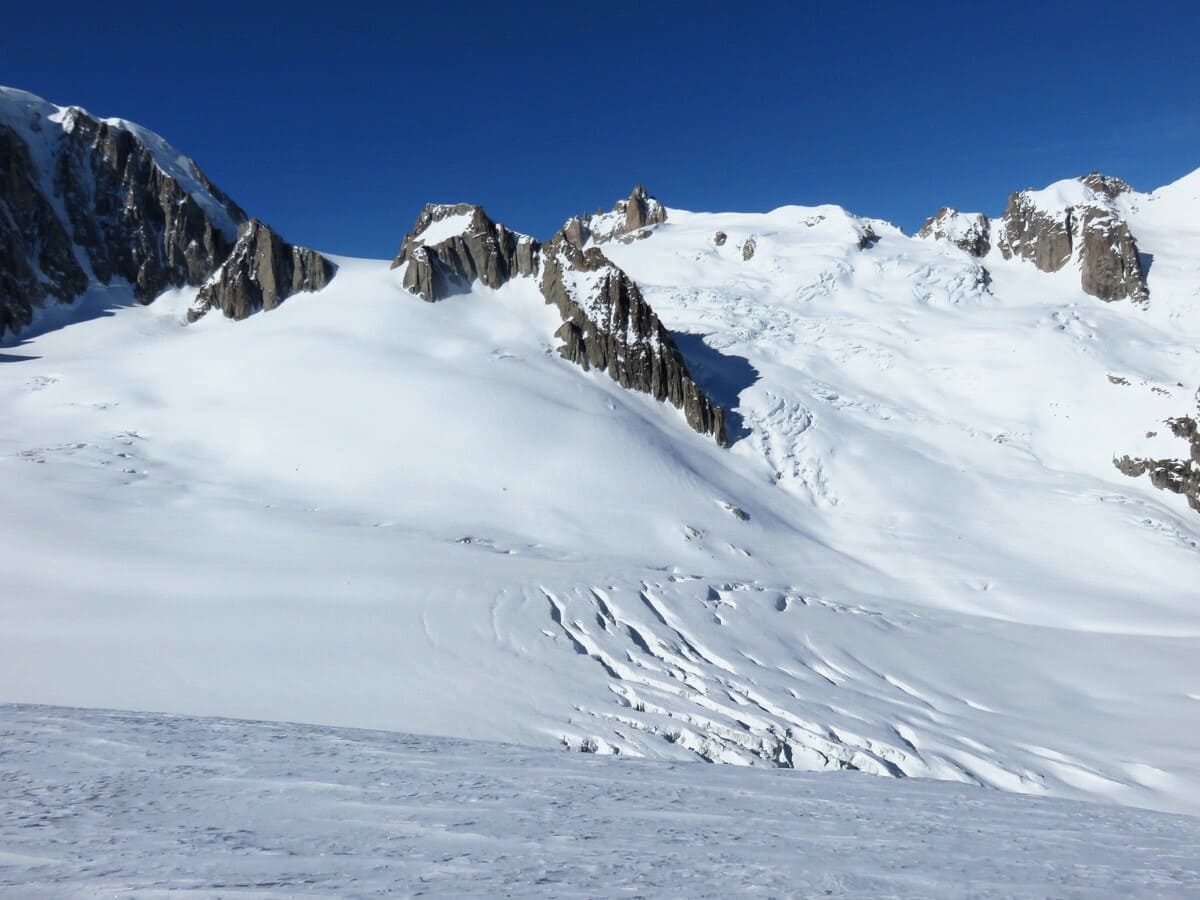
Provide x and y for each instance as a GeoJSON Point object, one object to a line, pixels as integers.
{"type": "Point", "coordinates": [100, 804]}
{"type": "Point", "coordinates": [916, 560]}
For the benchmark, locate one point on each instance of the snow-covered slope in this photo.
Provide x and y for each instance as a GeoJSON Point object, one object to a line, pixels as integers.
{"type": "Point", "coordinates": [916, 559]}
{"type": "Point", "coordinates": [110, 804]}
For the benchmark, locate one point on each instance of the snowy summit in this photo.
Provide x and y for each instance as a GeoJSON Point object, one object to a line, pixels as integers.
{"type": "Point", "coordinates": [786, 490]}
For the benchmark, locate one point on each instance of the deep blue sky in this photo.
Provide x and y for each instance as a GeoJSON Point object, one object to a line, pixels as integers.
{"type": "Point", "coordinates": [336, 125]}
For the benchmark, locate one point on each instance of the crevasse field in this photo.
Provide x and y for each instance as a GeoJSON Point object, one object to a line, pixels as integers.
{"type": "Point", "coordinates": [916, 561]}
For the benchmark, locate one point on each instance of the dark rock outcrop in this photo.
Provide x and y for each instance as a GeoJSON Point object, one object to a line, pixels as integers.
{"type": "Point", "coordinates": [628, 220]}
{"type": "Point", "coordinates": [1042, 237]}
{"type": "Point", "coordinates": [967, 231]}
{"type": "Point", "coordinates": [720, 238]}
{"type": "Point", "coordinates": [1180, 476]}
{"type": "Point", "coordinates": [606, 322]}
{"type": "Point", "coordinates": [86, 200]}
{"type": "Point", "coordinates": [480, 250]}
{"type": "Point", "coordinates": [641, 210]}
{"type": "Point", "coordinates": [748, 248]}
{"type": "Point", "coordinates": [37, 259]}
{"type": "Point", "coordinates": [132, 219]}
{"type": "Point", "coordinates": [608, 325]}
{"type": "Point", "coordinates": [261, 272]}
{"type": "Point", "coordinates": [1092, 231]}
{"type": "Point", "coordinates": [1110, 266]}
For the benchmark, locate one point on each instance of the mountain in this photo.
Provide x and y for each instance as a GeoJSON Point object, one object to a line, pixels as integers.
{"type": "Point", "coordinates": [785, 489]}
{"type": "Point", "coordinates": [87, 202]}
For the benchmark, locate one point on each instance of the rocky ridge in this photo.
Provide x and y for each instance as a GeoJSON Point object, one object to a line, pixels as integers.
{"type": "Point", "coordinates": [453, 245]}
{"type": "Point", "coordinates": [629, 220]}
{"type": "Point", "coordinates": [1082, 222]}
{"type": "Point", "coordinates": [1079, 221]}
{"type": "Point", "coordinates": [607, 323]}
{"type": "Point", "coordinates": [261, 272]}
{"type": "Point", "coordinates": [967, 231]}
{"type": "Point", "coordinates": [89, 201]}
{"type": "Point", "coordinates": [1179, 476]}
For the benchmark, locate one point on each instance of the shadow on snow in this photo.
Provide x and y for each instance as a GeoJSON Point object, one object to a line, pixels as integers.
{"type": "Point", "coordinates": [720, 376]}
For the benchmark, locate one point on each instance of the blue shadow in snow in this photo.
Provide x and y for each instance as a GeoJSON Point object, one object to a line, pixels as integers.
{"type": "Point", "coordinates": [720, 376]}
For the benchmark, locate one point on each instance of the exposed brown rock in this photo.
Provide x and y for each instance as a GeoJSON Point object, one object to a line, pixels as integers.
{"type": "Point", "coordinates": [641, 210]}
{"type": "Point", "coordinates": [1093, 233]}
{"type": "Point", "coordinates": [97, 205]}
{"type": "Point", "coordinates": [628, 220]}
{"type": "Point", "coordinates": [1110, 267]}
{"type": "Point", "coordinates": [967, 231]}
{"type": "Point", "coordinates": [1179, 476]}
{"type": "Point", "coordinates": [1035, 235]}
{"type": "Point", "coordinates": [720, 238]}
{"type": "Point", "coordinates": [483, 251]}
{"type": "Point", "coordinates": [748, 248]}
{"type": "Point", "coordinates": [608, 325]}
{"type": "Point", "coordinates": [261, 272]}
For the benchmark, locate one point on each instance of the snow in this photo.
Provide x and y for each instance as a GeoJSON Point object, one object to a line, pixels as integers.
{"type": "Point", "coordinates": [110, 804]}
{"type": "Point", "coordinates": [365, 510]}
{"type": "Point", "coordinates": [29, 115]}
{"type": "Point", "coordinates": [443, 229]}
{"type": "Point", "coordinates": [1058, 196]}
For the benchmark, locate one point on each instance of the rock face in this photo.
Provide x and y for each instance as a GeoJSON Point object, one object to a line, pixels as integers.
{"type": "Point", "coordinates": [967, 231]}
{"type": "Point", "coordinates": [1110, 267]}
{"type": "Point", "coordinates": [628, 221]}
{"type": "Point", "coordinates": [1042, 237]}
{"type": "Point", "coordinates": [86, 200]}
{"type": "Point", "coordinates": [451, 246]}
{"type": "Point", "coordinates": [1077, 221]}
{"type": "Point", "coordinates": [748, 249]}
{"type": "Point", "coordinates": [608, 325]}
{"type": "Point", "coordinates": [606, 322]}
{"type": "Point", "coordinates": [261, 272]}
{"type": "Point", "coordinates": [1180, 476]}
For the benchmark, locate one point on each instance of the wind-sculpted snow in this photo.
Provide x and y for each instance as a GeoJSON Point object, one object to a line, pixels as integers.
{"type": "Point", "coordinates": [916, 559]}
{"type": "Point", "coordinates": [105, 803]}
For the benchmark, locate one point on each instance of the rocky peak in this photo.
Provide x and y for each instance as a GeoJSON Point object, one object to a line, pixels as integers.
{"type": "Point", "coordinates": [608, 325]}
{"type": "Point", "coordinates": [85, 200]}
{"type": "Point", "coordinates": [606, 322]}
{"type": "Point", "coordinates": [260, 272]}
{"type": "Point", "coordinates": [453, 245]}
{"type": "Point", "coordinates": [1077, 220]}
{"type": "Point", "coordinates": [629, 220]}
{"type": "Point", "coordinates": [967, 231]}
{"type": "Point", "coordinates": [641, 210]}
{"type": "Point", "coordinates": [1105, 185]}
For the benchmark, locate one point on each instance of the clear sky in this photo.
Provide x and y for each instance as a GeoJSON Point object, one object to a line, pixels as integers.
{"type": "Point", "coordinates": [336, 122]}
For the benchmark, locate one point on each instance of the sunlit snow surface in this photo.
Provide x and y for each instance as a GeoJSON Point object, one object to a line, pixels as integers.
{"type": "Point", "coordinates": [362, 509]}
{"type": "Point", "coordinates": [98, 804]}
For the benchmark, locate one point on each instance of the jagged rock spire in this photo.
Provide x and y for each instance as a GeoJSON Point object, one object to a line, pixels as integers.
{"type": "Point", "coordinates": [261, 272]}
{"type": "Point", "coordinates": [86, 200]}
{"type": "Point", "coordinates": [453, 245]}
{"type": "Point", "coordinates": [628, 220]}
{"type": "Point", "coordinates": [607, 323]}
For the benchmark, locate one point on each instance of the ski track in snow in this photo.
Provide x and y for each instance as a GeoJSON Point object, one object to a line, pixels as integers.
{"type": "Point", "coordinates": [103, 804]}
